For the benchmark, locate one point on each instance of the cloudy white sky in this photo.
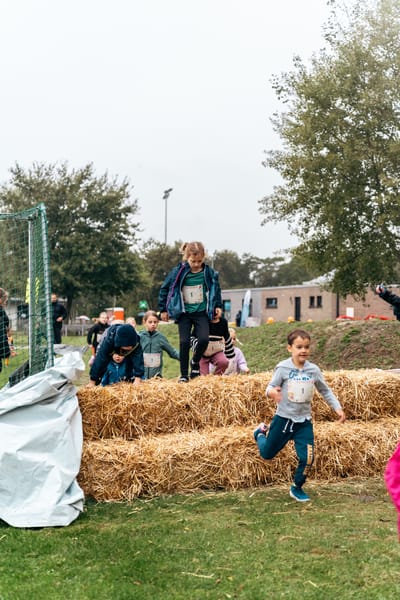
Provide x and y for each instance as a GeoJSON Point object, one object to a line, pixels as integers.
{"type": "Point", "coordinates": [167, 93]}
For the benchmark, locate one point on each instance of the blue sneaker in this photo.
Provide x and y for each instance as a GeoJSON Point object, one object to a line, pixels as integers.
{"type": "Point", "coordinates": [297, 494]}
{"type": "Point", "coordinates": [262, 428]}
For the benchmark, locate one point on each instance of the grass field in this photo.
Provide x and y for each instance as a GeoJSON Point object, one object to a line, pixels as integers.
{"type": "Point", "coordinates": [251, 544]}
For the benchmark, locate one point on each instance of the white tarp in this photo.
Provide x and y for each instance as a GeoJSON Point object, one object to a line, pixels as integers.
{"type": "Point", "coordinates": [41, 447]}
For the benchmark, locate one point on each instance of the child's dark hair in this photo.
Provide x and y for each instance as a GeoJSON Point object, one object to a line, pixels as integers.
{"type": "Point", "coordinates": [297, 333]}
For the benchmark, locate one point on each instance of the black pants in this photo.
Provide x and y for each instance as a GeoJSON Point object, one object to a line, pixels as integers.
{"type": "Point", "coordinates": [196, 324]}
{"type": "Point", "coordinates": [57, 333]}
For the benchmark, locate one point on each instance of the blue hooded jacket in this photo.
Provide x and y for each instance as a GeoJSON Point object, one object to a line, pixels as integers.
{"type": "Point", "coordinates": [118, 336]}
{"type": "Point", "coordinates": [115, 373]}
{"type": "Point", "coordinates": [171, 300]}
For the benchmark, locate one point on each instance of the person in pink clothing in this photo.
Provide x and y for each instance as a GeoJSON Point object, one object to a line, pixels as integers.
{"type": "Point", "coordinates": [238, 364]}
{"type": "Point", "coordinates": [220, 348]}
{"type": "Point", "coordinates": [392, 481]}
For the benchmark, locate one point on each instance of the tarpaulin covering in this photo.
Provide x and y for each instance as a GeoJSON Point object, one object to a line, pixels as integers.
{"type": "Point", "coordinates": [41, 447]}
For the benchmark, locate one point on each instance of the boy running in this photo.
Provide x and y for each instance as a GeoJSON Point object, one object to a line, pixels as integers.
{"type": "Point", "coordinates": [292, 388]}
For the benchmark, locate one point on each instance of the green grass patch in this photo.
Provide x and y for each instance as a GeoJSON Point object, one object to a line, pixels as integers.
{"type": "Point", "coordinates": [251, 544]}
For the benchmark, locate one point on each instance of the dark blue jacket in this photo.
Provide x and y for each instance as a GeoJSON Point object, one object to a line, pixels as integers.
{"type": "Point", "coordinates": [111, 342]}
{"type": "Point", "coordinates": [115, 373]}
{"type": "Point", "coordinates": [171, 300]}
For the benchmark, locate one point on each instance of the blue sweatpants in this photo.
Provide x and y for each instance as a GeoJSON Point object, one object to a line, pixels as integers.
{"type": "Point", "coordinates": [281, 431]}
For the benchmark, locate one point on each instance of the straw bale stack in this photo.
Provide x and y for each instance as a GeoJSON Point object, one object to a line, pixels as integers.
{"type": "Point", "coordinates": [365, 394]}
{"type": "Point", "coordinates": [227, 458]}
{"type": "Point", "coordinates": [165, 406]}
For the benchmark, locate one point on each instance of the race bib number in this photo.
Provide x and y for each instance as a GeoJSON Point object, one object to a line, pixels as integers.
{"type": "Point", "coordinates": [152, 359]}
{"type": "Point", "coordinates": [192, 294]}
{"type": "Point", "coordinates": [300, 391]}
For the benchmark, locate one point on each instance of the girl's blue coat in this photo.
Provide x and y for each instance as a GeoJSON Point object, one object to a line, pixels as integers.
{"type": "Point", "coordinates": [171, 300]}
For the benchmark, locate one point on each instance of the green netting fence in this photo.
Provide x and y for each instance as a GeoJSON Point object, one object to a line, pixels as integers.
{"type": "Point", "coordinates": [25, 276]}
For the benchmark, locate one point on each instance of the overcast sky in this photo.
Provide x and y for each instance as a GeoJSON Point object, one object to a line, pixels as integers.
{"type": "Point", "coordinates": [167, 93]}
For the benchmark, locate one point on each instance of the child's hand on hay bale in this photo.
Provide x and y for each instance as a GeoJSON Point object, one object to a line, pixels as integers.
{"type": "Point", "coordinates": [342, 416]}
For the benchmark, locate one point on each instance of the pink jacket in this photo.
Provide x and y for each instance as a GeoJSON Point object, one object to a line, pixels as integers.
{"type": "Point", "coordinates": [392, 480]}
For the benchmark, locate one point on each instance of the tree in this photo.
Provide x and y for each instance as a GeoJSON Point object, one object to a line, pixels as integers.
{"type": "Point", "coordinates": [234, 272]}
{"type": "Point", "coordinates": [158, 259]}
{"type": "Point", "coordinates": [340, 160]}
{"type": "Point", "coordinates": [295, 271]}
{"type": "Point", "coordinates": [91, 229]}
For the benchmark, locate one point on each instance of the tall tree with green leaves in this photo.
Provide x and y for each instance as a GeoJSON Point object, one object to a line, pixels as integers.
{"type": "Point", "coordinates": [234, 272]}
{"type": "Point", "coordinates": [157, 260]}
{"type": "Point", "coordinates": [91, 229]}
{"type": "Point", "coordinates": [340, 156]}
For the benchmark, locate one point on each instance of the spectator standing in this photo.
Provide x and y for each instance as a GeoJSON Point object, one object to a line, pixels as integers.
{"type": "Point", "coordinates": [4, 328]}
{"type": "Point", "coordinates": [59, 314]}
{"type": "Point", "coordinates": [238, 318]}
{"type": "Point", "coordinates": [389, 297]}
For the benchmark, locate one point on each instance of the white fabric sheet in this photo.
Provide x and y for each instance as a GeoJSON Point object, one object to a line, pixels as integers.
{"type": "Point", "coordinates": [41, 447]}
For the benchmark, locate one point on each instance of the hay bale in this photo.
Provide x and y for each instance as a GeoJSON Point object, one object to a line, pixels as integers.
{"type": "Point", "coordinates": [165, 406]}
{"type": "Point", "coordinates": [365, 394]}
{"type": "Point", "coordinates": [227, 458]}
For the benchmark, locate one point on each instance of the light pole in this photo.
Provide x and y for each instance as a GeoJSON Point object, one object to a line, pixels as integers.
{"type": "Point", "coordinates": [165, 197]}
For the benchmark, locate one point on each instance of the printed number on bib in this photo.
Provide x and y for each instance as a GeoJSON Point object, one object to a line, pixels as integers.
{"type": "Point", "coordinates": [192, 294]}
{"type": "Point", "coordinates": [151, 359]}
{"type": "Point", "coordinates": [300, 391]}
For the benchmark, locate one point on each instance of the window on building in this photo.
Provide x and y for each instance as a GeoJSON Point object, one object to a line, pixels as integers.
{"type": "Point", "coordinates": [315, 302]}
{"type": "Point", "coordinates": [271, 303]}
{"type": "Point", "coordinates": [226, 308]}
{"type": "Point", "coordinates": [226, 305]}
